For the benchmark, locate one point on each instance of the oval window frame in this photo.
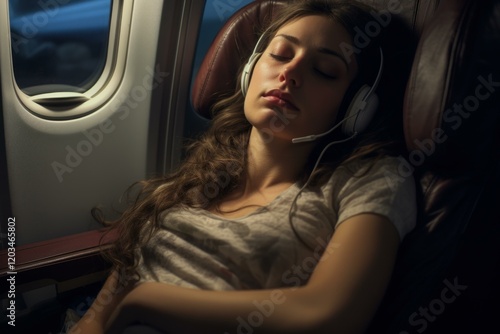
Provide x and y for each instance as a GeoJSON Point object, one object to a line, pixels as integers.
{"type": "Point", "coordinates": [69, 105]}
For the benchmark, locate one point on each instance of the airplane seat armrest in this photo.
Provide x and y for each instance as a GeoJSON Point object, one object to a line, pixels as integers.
{"type": "Point", "coordinates": [58, 260]}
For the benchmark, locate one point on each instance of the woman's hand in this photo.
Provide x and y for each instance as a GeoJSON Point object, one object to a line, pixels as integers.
{"type": "Point", "coordinates": [125, 313]}
{"type": "Point", "coordinates": [85, 326]}
{"type": "Point", "coordinates": [108, 300]}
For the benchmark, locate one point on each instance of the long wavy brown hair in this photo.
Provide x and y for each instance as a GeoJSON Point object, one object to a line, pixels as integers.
{"type": "Point", "coordinates": [215, 164]}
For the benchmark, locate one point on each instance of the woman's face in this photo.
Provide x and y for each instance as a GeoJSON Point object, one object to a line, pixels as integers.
{"type": "Point", "coordinates": [298, 83]}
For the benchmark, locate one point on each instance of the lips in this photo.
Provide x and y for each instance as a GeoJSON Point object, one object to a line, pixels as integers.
{"type": "Point", "coordinates": [280, 99]}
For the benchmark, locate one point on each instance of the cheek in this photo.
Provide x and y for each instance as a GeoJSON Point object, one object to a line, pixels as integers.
{"type": "Point", "coordinates": [259, 74]}
{"type": "Point", "coordinates": [327, 110]}
{"type": "Point", "coordinates": [334, 99]}
{"type": "Point", "coordinates": [257, 84]}
{"type": "Point", "coordinates": [327, 104]}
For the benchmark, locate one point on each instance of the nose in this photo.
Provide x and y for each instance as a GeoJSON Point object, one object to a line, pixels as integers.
{"type": "Point", "coordinates": [290, 74]}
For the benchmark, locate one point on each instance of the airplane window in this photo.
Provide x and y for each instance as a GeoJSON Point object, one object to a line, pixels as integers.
{"type": "Point", "coordinates": [58, 45]}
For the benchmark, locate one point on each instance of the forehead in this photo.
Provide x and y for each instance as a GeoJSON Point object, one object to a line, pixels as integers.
{"type": "Point", "coordinates": [322, 34]}
{"type": "Point", "coordinates": [317, 29]}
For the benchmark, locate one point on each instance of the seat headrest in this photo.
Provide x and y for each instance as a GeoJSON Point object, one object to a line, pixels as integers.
{"type": "Point", "coordinates": [451, 93]}
{"type": "Point", "coordinates": [229, 50]}
{"type": "Point", "coordinates": [236, 39]}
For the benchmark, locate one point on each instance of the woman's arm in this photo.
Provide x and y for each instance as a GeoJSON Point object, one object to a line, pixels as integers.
{"type": "Point", "coordinates": [341, 296]}
{"type": "Point", "coordinates": [108, 298]}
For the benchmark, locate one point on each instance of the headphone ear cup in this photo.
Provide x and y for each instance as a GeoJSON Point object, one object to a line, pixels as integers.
{"type": "Point", "coordinates": [247, 72]}
{"type": "Point", "coordinates": [360, 111]}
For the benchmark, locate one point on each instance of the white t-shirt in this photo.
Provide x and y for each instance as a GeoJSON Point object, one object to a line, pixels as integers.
{"type": "Point", "coordinates": [198, 249]}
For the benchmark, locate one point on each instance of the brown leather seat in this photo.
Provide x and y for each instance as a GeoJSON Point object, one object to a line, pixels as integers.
{"type": "Point", "coordinates": [453, 153]}
{"type": "Point", "coordinates": [448, 269]}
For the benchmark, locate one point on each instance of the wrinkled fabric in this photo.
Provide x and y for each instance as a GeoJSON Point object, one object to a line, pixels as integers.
{"type": "Point", "coordinates": [198, 249]}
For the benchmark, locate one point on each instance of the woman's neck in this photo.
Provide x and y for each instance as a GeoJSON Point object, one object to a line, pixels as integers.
{"type": "Point", "coordinates": [272, 167]}
{"type": "Point", "coordinates": [273, 162]}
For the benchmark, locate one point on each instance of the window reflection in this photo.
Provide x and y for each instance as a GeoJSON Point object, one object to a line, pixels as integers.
{"type": "Point", "coordinates": [58, 45]}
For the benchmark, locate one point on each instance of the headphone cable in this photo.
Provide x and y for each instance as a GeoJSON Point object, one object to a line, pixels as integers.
{"type": "Point", "coordinates": [294, 201]}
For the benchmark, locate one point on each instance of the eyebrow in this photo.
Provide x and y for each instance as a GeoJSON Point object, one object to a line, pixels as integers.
{"type": "Point", "coordinates": [327, 51]}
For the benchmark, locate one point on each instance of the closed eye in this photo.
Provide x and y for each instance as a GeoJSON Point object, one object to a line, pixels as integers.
{"type": "Point", "coordinates": [325, 75]}
{"type": "Point", "coordinates": [278, 57]}
{"type": "Point", "coordinates": [317, 71]}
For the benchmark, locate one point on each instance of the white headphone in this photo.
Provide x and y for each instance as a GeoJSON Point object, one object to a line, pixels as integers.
{"type": "Point", "coordinates": [359, 113]}
{"type": "Point", "coordinates": [247, 70]}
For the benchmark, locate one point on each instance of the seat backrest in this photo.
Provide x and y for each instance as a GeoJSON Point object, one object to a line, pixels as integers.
{"type": "Point", "coordinates": [451, 120]}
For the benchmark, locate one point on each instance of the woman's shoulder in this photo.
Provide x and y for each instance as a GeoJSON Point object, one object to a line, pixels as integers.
{"type": "Point", "coordinates": [379, 185]}
{"type": "Point", "coordinates": [384, 166]}
{"type": "Point", "coordinates": [374, 163]}
{"type": "Point", "coordinates": [384, 176]}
